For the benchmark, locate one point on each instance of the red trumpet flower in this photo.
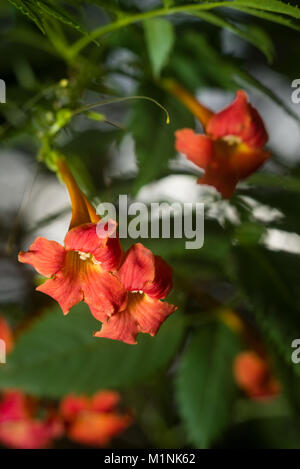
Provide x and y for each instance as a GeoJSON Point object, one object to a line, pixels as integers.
{"type": "Point", "coordinates": [123, 293]}
{"type": "Point", "coordinates": [147, 279]}
{"type": "Point", "coordinates": [19, 428]}
{"type": "Point", "coordinates": [84, 269]}
{"type": "Point", "coordinates": [93, 421]}
{"type": "Point", "coordinates": [253, 375]}
{"type": "Point", "coordinates": [231, 148]}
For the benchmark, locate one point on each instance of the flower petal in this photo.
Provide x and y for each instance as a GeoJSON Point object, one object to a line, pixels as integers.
{"type": "Point", "coordinates": [148, 312]}
{"type": "Point", "coordinates": [14, 406]}
{"type": "Point", "coordinates": [6, 334]}
{"type": "Point", "coordinates": [96, 429]}
{"type": "Point", "coordinates": [246, 160]}
{"type": "Point", "coordinates": [253, 375]}
{"type": "Point", "coordinates": [103, 291]}
{"type": "Point", "coordinates": [100, 315]}
{"type": "Point", "coordinates": [83, 238]}
{"type": "Point", "coordinates": [230, 164]}
{"type": "Point", "coordinates": [138, 268]}
{"type": "Point", "coordinates": [27, 434]}
{"type": "Point", "coordinates": [197, 148]}
{"type": "Point", "coordinates": [162, 283]}
{"type": "Point", "coordinates": [110, 255]}
{"type": "Point", "coordinates": [224, 182]}
{"type": "Point", "coordinates": [121, 326]}
{"type": "Point", "coordinates": [65, 289]}
{"type": "Point", "coordinates": [105, 401]}
{"type": "Point", "coordinates": [47, 257]}
{"type": "Point", "coordinates": [86, 238]}
{"type": "Point", "coordinates": [73, 405]}
{"type": "Point", "coordinates": [240, 119]}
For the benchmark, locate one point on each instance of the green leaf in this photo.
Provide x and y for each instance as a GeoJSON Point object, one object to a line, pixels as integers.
{"type": "Point", "coordinates": [36, 10]}
{"type": "Point", "coordinates": [280, 192]}
{"type": "Point", "coordinates": [270, 281]}
{"type": "Point", "coordinates": [197, 63]}
{"type": "Point", "coordinates": [59, 355]}
{"type": "Point", "coordinates": [154, 139]}
{"type": "Point", "coordinates": [274, 17]}
{"type": "Point", "coordinates": [289, 381]}
{"type": "Point", "coordinates": [253, 34]}
{"type": "Point", "coordinates": [275, 6]}
{"type": "Point", "coordinates": [160, 39]}
{"type": "Point", "coordinates": [249, 233]}
{"type": "Point", "coordinates": [28, 9]}
{"type": "Point", "coordinates": [59, 13]}
{"type": "Point", "coordinates": [244, 78]}
{"type": "Point", "coordinates": [205, 387]}
{"type": "Point", "coordinates": [290, 183]}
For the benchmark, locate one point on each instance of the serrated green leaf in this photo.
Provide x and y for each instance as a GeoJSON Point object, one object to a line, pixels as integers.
{"type": "Point", "coordinates": [59, 355]}
{"type": "Point", "coordinates": [28, 9]}
{"type": "Point", "coordinates": [205, 388]}
{"type": "Point", "coordinates": [36, 10]}
{"type": "Point", "coordinates": [160, 38]}
{"type": "Point", "coordinates": [59, 13]}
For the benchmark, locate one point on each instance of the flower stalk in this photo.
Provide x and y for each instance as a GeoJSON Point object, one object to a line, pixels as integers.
{"type": "Point", "coordinates": [82, 209]}
{"type": "Point", "coordinates": [202, 113]}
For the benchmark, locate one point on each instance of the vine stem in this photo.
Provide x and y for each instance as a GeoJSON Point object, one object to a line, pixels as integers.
{"type": "Point", "coordinates": [122, 22]}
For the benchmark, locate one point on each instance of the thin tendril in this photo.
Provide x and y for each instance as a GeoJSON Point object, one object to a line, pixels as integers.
{"type": "Point", "coordinates": [119, 100]}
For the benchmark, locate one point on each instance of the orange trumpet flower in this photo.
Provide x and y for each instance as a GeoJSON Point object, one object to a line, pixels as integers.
{"type": "Point", "coordinates": [231, 148]}
{"type": "Point", "coordinates": [148, 280]}
{"type": "Point", "coordinates": [122, 291]}
{"type": "Point", "coordinates": [253, 375]}
{"type": "Point", "coordinates": [93, 421]}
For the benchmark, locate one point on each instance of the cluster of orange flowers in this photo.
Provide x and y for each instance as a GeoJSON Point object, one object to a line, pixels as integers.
{"type": "Point", "coordinates": [124, 290]}
{"type": "Point", "coordinates": [91, 421]}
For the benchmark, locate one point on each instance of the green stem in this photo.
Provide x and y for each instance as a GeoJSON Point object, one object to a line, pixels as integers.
{"type": "Point", "coordinates": [122, 22]}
